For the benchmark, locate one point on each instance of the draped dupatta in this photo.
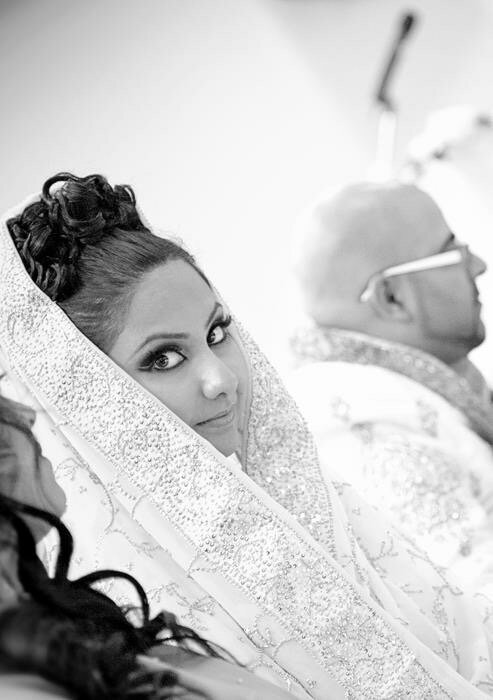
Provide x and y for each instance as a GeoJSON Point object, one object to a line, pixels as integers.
{"type": "Point", "coordinates": [259, 558]}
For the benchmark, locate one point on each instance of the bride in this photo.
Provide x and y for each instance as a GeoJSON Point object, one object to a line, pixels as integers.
{"type": "Point", "coordinates": [185, 460]}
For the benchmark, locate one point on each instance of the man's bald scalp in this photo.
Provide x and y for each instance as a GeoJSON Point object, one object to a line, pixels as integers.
{"type": "Point", "coordinates": [361, 229]}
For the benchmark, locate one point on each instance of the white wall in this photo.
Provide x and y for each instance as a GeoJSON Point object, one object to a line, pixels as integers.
{"type": "Point", "coordinates": [225, 115]}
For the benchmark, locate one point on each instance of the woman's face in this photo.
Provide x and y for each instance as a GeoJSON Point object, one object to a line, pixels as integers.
{"type": "Point", "coordinates": [29, 475]}
{"type": "Point", "coordinates": [176, 343]}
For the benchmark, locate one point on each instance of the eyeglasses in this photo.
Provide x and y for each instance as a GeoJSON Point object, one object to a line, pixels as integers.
{"type": "Point", "coordinates": [447, 258]}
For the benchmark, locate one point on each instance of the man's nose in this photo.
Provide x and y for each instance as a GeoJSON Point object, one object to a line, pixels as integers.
{"type": "Point", "coordinates": [477, 265]}
{"type": "Point", "coordinates": [217, 378]}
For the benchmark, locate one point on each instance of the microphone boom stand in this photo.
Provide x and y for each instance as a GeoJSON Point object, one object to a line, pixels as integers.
{"type": "Point", "coordinates": [387, 120]}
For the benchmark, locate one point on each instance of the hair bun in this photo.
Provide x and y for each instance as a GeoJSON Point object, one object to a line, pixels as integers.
{"type": "Point", "coordinates": [51, 233]}
{"type": "Point", "coordinates": [86, 208]}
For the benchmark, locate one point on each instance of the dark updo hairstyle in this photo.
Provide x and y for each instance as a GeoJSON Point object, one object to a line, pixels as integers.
{"type": "Point", "coordinates": [84, 244]}
{"type": "Point", "coordinates": [69, 632]}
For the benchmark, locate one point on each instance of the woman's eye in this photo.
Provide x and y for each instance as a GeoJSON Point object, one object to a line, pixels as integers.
{"type": "Point", "coordinates": [217, 335]}
{"type": "Point", "coordinates": [167, 360]}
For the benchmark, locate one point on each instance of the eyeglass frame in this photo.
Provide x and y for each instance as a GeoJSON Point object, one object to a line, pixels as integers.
{"type": "Point", "coordinates": [446, 258]}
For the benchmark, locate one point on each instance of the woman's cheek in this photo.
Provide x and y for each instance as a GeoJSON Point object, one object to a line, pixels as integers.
{"type": "Point", "coordinates": [175, 392]}
{"type": "Point", "coordinates": [240, 368]}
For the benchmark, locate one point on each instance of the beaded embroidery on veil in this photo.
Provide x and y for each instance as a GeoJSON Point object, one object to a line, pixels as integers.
{"type": "Point", "coordinates": [230, 554]}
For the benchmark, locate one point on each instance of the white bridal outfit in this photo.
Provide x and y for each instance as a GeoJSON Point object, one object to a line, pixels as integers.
{"type": "Point", "coordinates": [260, 558]}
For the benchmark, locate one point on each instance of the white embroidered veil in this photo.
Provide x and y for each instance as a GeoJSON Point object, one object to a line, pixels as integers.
{"type": "Point", "coordinates": [260, 561]}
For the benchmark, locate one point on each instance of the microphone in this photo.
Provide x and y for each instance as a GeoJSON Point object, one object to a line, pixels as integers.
{"type": "Point", "coordinates": [407, 23]}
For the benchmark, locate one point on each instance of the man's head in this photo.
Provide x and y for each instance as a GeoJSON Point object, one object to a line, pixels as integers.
{"type": "Point", "coordinates": [364, 229]}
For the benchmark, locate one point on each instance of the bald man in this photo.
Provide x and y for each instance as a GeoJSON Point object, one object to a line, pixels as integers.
{"type": "Point", "coordinates": [384, 378]}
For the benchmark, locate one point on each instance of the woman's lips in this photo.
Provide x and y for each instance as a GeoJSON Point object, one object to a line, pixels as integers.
{"type": "Point", "coordinates": [220, 420]}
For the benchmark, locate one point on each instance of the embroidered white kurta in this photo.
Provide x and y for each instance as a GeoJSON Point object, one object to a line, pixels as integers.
{"type": "Point", "coordinates": [411, 436]}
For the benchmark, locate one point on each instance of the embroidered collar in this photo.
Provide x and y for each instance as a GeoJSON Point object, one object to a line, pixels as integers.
{"type": "Point", "coordinates": [313, 343]}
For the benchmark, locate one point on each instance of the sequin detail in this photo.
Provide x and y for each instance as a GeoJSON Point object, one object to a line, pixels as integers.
{"type": "Point", "coordinates": [281, 453]}
{"type": "Point", "coordinates": [422, 490]}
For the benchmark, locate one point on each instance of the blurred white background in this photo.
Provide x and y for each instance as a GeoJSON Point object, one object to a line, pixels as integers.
{"type": "Point", "coordinates": [229, 116]}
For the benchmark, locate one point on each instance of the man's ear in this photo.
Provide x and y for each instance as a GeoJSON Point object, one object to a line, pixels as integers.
{"type": "Point", "coordinates": [388, 300]}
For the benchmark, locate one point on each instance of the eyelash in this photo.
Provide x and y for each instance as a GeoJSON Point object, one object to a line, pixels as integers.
{"type": "Point", "coordinates": [154, 355]}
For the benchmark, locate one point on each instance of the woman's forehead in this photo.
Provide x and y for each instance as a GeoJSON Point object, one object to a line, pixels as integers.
{"type": "Point", "coordinates": [171, 301]}
{"type": "Point", "coordinates": [171, 292]}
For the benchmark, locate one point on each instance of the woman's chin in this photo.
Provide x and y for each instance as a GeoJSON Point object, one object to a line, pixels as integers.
{"type": "Point", "coordinates": [227, 444]}
{"type": "Point", "coordinates": [226, 448]}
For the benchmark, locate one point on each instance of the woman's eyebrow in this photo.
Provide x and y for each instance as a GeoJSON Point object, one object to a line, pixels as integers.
{"type": "Point", "coordinates": [176, 336]}
{"type": "Point", "coordinates": [161, 336]}
{"type": "Point", "coordinates": [217, 306]}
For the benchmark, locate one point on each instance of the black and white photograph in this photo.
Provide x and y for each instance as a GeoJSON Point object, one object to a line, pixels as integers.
{"type": "Point", "coordinates": [246, 375]}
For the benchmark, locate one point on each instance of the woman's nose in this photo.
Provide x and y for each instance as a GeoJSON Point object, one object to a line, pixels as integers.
{"type": "Point", "coordinates": [218, 379]}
